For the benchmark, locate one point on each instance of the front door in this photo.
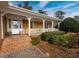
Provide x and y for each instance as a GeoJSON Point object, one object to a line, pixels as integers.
{"type": "Point", "coordinates": [16, 27]}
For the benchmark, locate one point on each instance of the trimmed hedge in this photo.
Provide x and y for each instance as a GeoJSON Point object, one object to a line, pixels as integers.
{"type": "Point", "coordinates": [69, 25]}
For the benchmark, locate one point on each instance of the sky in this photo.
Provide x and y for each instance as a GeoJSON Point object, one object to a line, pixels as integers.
{"type": "Point", "coordinates": [71, 8]}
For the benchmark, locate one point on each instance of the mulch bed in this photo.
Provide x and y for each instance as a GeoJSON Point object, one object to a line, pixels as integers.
{"type": "Point", "coordinates": [55, 51]}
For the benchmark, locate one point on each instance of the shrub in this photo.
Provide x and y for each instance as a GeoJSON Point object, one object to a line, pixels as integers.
{"type": "Point", "coordinates": [61, 38]}
{"type": "Point", "coordinates": [35, 40]}
{"type": "Point", "coordinates": [69, 25]}
{"type": "Point", "coordinates": [57, 32]}
{"type": "Point", "coordinates": [46, 35]}
{"type": "Point", "coordinates": [58, 39]}
{"type": "Point", "coordinates": [72, 39]}
{"type": "Point", "coordinates": [66, 40]}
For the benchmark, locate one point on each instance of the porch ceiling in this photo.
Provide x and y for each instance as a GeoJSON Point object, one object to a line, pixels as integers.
{"type": "Point", "coordinates": [14, 16]}
{"type": "Point", "coordinates": [19, 17]}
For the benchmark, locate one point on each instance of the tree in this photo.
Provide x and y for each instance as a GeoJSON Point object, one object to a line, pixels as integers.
{"type": "Point", "coordinates": [42, 11]}
{"type": "Point", "coordinates": [69, 25]}
{"type": "Point", "coordinates": [20, 5]}
{"type": "Point", "coordinates": [76, 17]}
{"type": "Point", "coordinates": [60, 15]}
{"type": "Point", "coordinates": [26, 5]}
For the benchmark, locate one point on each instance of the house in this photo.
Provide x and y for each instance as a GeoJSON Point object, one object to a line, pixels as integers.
{"type": "Point", "coordinates": [17, 20]}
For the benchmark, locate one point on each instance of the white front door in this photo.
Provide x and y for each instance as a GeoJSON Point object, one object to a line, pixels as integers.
{"type": "Point", "coordinates": [16, 26]}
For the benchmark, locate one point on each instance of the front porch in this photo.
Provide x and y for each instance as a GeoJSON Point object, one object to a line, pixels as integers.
{"type": "Point", "coordinates": [23, 21]}
{"type": "Point", "coordinates": [15, 24]}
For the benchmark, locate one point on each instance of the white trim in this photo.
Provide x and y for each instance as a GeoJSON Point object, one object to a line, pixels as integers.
{"type": "Point", "coordinates": [2, 33]}
{"type": "Point", "coordinates": [52, 25]}
{"type": "Point", "coordinates": [22, 24]}
{"type": "Point", "coordinates": [29, 19]}
{"type": "Point", "coordinates": [7, 24]}
{"type": "Point", "coordinates": [43, 25]}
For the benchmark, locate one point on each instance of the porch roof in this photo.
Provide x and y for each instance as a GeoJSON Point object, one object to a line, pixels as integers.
{"type": "Point", "coordinates": [27, 13]}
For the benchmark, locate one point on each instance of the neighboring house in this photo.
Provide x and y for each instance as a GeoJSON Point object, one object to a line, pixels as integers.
{"type": "Point", "coordinates": [17, 20]}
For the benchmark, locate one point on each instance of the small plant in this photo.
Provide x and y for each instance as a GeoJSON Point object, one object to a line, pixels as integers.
{"type": "Point", "coordinates": [35, 40]}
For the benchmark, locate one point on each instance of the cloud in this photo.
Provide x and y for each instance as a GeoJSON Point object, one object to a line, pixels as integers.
{"type": "Point", "coordinates": [69, 11]}
{"type": "Point", "coordinates": [11, 4]}
{"type": "Point", "coordinates": [51, 9]}
{"type": "Point", "coordinates": [42, 4]}
{"type": "Point", "coordinates": [71, 8]}
{"type": "Point", "coordinates": [74, 14]}
{"type": "Point", "coordinates": [51, 13]}
{"type": "Point", "coordinates": [69, 5]}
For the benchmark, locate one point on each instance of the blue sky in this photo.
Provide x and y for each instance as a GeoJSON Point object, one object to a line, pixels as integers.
{"type": "Point", "coordinates": [71, 8]}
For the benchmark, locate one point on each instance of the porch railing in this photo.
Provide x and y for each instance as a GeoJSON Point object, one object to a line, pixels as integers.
{"type": "Point", "coordinates": [38, 31]}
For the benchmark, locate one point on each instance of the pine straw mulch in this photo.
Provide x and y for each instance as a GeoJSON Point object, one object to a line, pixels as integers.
{"type": "Point", "coordinates": [55, 51]}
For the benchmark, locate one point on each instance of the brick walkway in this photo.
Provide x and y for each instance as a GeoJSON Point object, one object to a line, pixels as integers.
{"type": "Point", "coordinates": [19, 46]}
{"type": "Point", "coordinates": [31, 52]}
{"type": "Point", "coordinates": [15, 42]}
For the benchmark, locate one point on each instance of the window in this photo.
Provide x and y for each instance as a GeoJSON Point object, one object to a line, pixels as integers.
{"type": "Point", "coordinates": [46, 24]}
{"type": "Point", "coordinates": [20, 24]}
{"type": "Point", "coordinates": [9, 23]}
{"type": "Point", "coordinates": [31, 24]}
{"type": "Point", "coordinates": [16, 24]}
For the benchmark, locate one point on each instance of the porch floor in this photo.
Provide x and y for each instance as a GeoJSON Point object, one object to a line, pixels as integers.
{"type": "Point", "coordinates": [12, 43]}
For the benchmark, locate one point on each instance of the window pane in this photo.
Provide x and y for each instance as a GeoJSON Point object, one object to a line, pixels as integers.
{"type": "Point", "coordinates": [46, 24]}
{"type": "Point", "coordinates": [31, 24]}
{"type": "Point", "coordinates": [10, 23]}
{"type": "Point", "coordinates": [15, 24]}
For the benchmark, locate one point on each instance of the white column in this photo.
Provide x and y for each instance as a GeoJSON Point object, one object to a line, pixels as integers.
{"type": "Point", "coordinates": [52, 25]}
{"type": "Point", "coordinates": [43, 25]}
{"type": "Point", "coordinates": [29, 19]}
{"type": "Point", "coordinates": [1, 16]}
{"type": "Point", "coordinates": [7, 24]}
